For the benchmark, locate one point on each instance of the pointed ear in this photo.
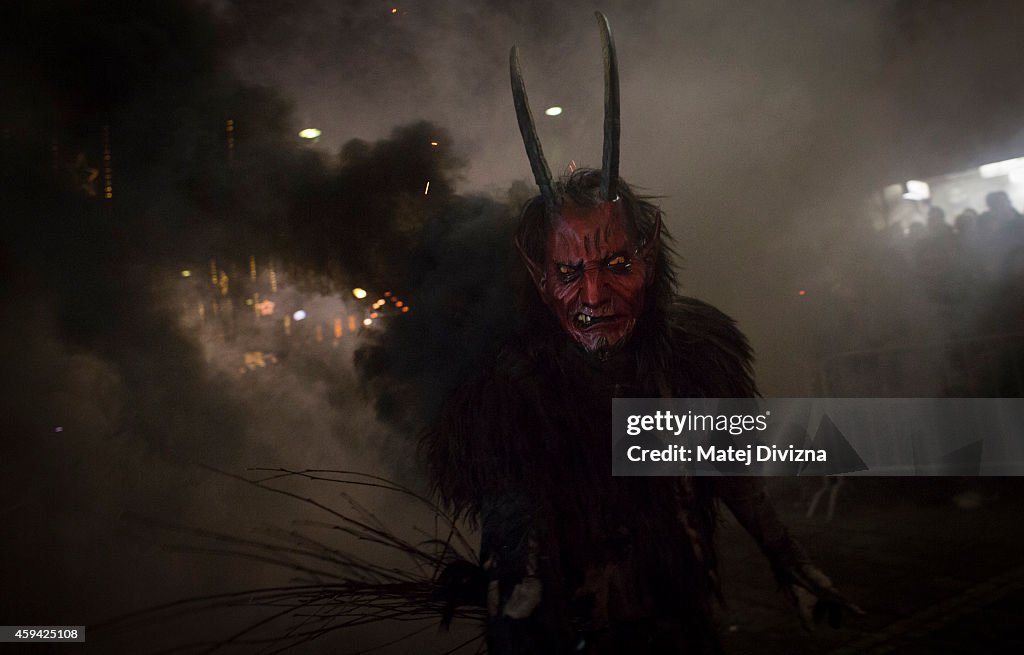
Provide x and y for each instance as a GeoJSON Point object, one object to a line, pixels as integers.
{"type": "Point", "coordinates": [648, 251]}
{"type": "Point", "coordinates": [536, 271]}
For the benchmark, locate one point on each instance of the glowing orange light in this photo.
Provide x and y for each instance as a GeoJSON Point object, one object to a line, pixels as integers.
{"type": "Point", "coordinates": [351, 323]}
{"type": "Point", "coordinates": [405, 309]}
{"type": "Point", "coordinates": [387, 294]}
{"type": "Point", "coordinates": [394, 11]}
{"type": "Point", "coordinates": [373, 314]}
{"type": "Point", "coordinates": [433, 143]}
{"type": "Point", "coordinates": [254, 359]}
{"type": "Point", "coordinates": [337, 328]}
{"type": "Point", "coordinates": [802, 292]}
{"type": "Point", "coordinates": [399, 303]}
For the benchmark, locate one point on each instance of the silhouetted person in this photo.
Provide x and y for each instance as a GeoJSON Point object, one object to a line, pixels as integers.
{"type": "Point", "coordinates": [937, 225]}
{"type": "Point", "coordinates": [969, 256]}
{"type": "Point", "coordinates": [1004, 233]}
{"type": "Point", "coordinates": [966, 223]}
{"type": "Point", "coordinates": [985, 247]}
{"type": "Point", "coordinates": [1001, 210]}
{"type": "Point", "coordinates": [1004, 317]}
{"type": "Point", "coordinates": [936, 266]}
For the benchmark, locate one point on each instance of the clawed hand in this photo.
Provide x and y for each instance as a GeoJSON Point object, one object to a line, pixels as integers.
{"type": "Point", "coordinates": [815, 598]}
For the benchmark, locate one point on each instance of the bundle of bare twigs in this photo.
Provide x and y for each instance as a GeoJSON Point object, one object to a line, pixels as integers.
{"type": "Point", "coordinates": [334, 589]}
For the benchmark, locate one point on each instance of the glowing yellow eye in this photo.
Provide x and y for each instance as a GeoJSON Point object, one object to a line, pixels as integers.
{"type": "Point", "coordinates": [564, 270]}
{"type": "Point", "coordinates": [618, 261]}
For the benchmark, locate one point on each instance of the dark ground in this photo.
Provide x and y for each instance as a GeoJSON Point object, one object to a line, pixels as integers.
{"type": "Point", "coordinates": [936, 563]}
{"type": "Point", "coordinates": [932, 576]}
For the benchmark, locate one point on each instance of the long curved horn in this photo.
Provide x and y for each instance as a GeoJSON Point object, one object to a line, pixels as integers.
{"type": "Point", "coordinates": [541, 172]}
{"type": "Point", "coordinates": [610, 155]}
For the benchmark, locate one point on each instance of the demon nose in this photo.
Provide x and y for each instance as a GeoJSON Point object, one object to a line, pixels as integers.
{"type": "Point", "coordinates": [593, 292]}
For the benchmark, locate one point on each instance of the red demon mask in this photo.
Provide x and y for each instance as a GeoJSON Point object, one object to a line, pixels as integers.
{"type": "Point", "coordinates": [595, 271]}
{"type": "Point", "coordinates": [594, 275]}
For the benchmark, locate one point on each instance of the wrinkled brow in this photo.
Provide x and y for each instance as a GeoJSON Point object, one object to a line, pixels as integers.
{"type": "Point", "coordinates": [595, 242]}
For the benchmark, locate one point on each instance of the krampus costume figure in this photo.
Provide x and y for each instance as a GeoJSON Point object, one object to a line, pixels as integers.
{"type": "Point", "coordinates": [576, 560]}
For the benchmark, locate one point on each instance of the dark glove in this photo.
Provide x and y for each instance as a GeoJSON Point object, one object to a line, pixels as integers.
{"type": "Point", "coordinates": [461, 583]}
{"type": "Point", "coordinates": [814, 596]}
{"type": "Point", "coordinates": [810, 590]}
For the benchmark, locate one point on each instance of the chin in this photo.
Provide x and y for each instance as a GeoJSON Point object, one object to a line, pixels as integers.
{"type": "Point", "coordinates": [601, 343]}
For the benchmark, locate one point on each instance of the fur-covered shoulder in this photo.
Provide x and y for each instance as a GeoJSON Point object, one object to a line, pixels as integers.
{"type": "Point", "coordinates": [711, 357]}
{"type": "Point", "coordinates": [475, 451]}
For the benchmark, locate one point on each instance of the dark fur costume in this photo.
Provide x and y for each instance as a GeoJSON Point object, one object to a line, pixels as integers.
{"type": "Point", "coordinates": [580, 561]}
{"type": "Point", "coordinates": [525, 451]}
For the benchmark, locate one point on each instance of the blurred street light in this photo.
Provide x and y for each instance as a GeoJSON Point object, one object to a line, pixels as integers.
{"type": "Point", "coordinates": [310, 133]}
{"type": "Point", "coordinates": [916, 190]}
{"type": "Point", "coordinates": [1001, 168]}
{"type": "Point", "coordinates": [553, 111]}
{"type": "Point", "coordinates": [359, 293]}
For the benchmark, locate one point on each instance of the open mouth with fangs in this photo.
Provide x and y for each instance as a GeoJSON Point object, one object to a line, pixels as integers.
{"type": "Point", "coordinates": [586, 321]}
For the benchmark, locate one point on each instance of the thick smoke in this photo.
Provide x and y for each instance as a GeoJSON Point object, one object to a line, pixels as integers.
{"type": "Point", "coordinates": [127, 382]}
{"type": "Point", "coordinates": [764, 125]}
